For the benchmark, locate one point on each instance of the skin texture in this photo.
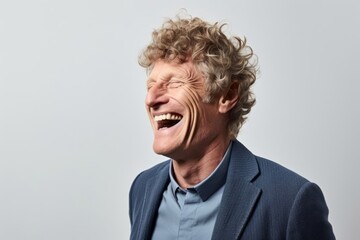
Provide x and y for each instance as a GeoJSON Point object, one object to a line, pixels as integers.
{"type": "Point", "coordinates": [199, 140]}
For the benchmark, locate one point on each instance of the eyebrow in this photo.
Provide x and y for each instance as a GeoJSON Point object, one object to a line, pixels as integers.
{"type": "Point", "coordinates": [163, 78]}
{"type": "Point", "coordinates": [149, 80]}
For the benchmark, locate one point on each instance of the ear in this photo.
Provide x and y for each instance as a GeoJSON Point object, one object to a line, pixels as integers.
{"type": "Point", "coordinates": [229, 100]}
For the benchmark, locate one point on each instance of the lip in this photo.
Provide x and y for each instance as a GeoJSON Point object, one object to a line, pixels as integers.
{"type": "Point", "coordinates": [160, 118]}
{"type": "Point", "coordinates": [168, 131]}
{"type": "Point", "coordinates": [169, 128]}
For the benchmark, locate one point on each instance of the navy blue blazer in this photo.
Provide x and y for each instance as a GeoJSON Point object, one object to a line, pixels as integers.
{"type": "Point", "coordinates": [261, 200]}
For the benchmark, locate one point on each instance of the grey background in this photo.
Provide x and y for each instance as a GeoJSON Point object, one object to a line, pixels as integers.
{"type": "Point", "coordinates": [73, 127]}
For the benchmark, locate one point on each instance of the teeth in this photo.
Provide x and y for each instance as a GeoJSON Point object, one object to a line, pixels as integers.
{"type": "Point", "coordinates": [167, 116]}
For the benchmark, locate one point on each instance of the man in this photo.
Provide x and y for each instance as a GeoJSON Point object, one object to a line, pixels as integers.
{"type": "Point", "coordinates": [213, 187]}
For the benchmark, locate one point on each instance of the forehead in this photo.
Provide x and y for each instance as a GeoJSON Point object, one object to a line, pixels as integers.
{"type": "Point", "coordinates": [164, 70]}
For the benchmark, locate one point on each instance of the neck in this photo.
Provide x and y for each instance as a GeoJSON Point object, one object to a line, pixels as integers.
{"type": "Point", "coordinates": [190, 172]}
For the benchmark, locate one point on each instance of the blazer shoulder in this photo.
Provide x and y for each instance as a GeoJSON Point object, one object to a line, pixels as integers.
{"type": "Point", "coordinates": [145, 175]}
{"type": "Point", "coordinates": [272, 171]}
{"type": "Point", "coordinates": [279, 185]}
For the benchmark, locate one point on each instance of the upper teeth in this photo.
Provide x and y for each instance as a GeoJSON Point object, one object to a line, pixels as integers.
{"type": "Point", "coordinates": [167, 116]}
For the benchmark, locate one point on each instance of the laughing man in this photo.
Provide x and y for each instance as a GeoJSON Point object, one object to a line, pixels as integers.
{"type": "Point", "coordinates": [198, 97]}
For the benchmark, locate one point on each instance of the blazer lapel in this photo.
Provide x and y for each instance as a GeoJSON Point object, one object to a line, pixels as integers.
{"type": "Point", "coordinates": [240, 195]}
{"type": "Point", "coordinates": [152, 199]}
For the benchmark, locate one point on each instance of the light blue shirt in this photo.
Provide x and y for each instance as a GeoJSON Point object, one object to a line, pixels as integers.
{"type": "Point", "coordinates": [191, 213]}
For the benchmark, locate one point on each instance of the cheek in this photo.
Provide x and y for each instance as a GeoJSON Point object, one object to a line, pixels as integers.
{"type": "Point", "coordinates": [190, 99]}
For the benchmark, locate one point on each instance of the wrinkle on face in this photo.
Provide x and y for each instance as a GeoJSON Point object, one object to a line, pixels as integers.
{"type": "Point", "coordinates": [179, 87]}
{"type": "Point", "coordinates": [193, 88]}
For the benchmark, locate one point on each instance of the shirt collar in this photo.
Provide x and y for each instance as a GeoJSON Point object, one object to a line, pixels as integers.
{"type": "Point", "coordinates": [209, 185]}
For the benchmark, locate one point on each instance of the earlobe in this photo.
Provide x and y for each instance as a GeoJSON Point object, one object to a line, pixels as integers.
{"type": "Point", "coordinates": [229, 100]}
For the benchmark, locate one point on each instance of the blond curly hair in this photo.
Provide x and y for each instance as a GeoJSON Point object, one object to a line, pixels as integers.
{"type": "Point", "coordinates": [221, 60]}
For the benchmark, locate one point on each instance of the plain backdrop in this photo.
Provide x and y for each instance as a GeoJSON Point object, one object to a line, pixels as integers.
{"type": "Point", "coordinates": [73, 128]}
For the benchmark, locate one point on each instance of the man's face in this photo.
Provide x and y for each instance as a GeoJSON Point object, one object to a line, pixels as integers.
{"type": "Point", "coordinates": [184, 126]}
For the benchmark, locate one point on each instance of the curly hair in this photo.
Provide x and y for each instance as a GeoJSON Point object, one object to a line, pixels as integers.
{"type": "Point", "coordinates": [221, 60]}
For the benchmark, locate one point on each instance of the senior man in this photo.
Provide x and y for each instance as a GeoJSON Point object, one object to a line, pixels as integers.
{"type": "Point", "coordinates": [198, 97]}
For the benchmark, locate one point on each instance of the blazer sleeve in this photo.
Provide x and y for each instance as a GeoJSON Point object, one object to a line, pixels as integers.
{"type": "Point", "coordinates": [134, 198]}
{"type": "Point", "coordinates": [309, 215]}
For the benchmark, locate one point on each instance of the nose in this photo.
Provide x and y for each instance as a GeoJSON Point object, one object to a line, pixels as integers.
{"type": "Point", "coordinates": [156, 96]}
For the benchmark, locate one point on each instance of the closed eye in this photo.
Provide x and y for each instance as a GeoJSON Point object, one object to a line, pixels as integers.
{"type": "Point", "coordinates": [149, 84]}
{"type": "Point", "coordinates": [175, 83]}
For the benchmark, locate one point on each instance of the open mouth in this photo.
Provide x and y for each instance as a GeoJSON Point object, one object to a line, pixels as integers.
{"type": "Point", "coordinates": [167, 120]}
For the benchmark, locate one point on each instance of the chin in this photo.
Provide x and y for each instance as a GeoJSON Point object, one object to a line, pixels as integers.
{"type": "Point", "coordinates": [161, 149]}
{"type": "Point", "coordinates": [164, 149]}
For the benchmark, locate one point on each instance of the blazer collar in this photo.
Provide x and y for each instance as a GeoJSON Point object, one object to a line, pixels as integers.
{"type": "Point", "coordinates": [155, 187]}
{"type": "Point", "coordinates": [240, 195]}
{"type": "Point", "coordinates": [238, 200]}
